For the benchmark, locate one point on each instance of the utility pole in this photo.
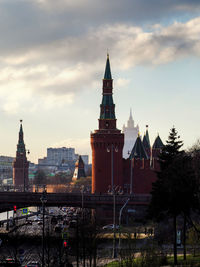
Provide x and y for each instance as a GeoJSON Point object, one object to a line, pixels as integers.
{"type": "Point", "coordinates": [43, 200]}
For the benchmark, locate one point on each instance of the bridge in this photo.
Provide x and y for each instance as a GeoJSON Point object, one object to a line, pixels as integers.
{"type": "Point", "coordinates": [91, 201]}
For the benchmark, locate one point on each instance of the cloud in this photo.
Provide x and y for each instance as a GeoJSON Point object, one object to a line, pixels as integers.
{"type": "Point", "coordinates": [53, 73]}
{"type": "Point", "coordinates": [25, 24]}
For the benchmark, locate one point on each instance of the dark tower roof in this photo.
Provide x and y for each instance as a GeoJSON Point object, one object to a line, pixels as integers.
{"type": "Point", "coordinates": [107, 107]}
{"type": "Point", "coordinates": [21, 146]}
{"type": "Point", "coordinates": [107, 75]}
{"type": "Point", "coordinates": [80, 162]}
{"type": "Point", "coordinates": [138, 151]}
{"type": "Point", "coordinates": [145, 142]}
{"type": "Point", "coordinates": [158, 144]}
{"type": "Point", "coordinates": [147, 135]}
{"type": "Point", "coordinates": [79, 169]}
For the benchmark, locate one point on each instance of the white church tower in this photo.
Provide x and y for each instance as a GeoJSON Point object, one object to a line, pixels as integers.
{"type": "Point", "coordinates": [130, 136]}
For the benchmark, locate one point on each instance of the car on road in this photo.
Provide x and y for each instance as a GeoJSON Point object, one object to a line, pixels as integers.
{"type": "Point", "coordinates": [28, 222]}
{"type": "Point", "coordinates": [110, 227]}
{"type": "Point", "coordinates": [36, 219]}
{"type": "Point", "coordinates": [51, 211]}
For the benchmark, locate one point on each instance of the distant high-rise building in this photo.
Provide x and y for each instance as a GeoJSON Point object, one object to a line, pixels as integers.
{"type": "Point", "coordinates": [58, 156]}
{"type": "Point", "coordinates": [20, 164]}
{"type": "Point", "coordinates": [6, 168]}
{"type": "Point", "coordinates": [130, 136]}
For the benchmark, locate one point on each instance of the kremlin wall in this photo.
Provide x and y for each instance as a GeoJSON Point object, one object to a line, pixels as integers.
{"type": "Point", "coordinates": [109, 169]}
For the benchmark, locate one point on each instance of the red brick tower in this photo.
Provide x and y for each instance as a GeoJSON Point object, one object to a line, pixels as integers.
{"type": "Point", "coordinates": [20, 164]}
{"type": "Point", "coordinates": [107, 142]}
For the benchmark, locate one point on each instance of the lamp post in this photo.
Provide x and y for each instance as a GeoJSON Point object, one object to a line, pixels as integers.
{"type": "Point", "coordinates": [43, 200]}
{"type": "Point", "coordinates": [115, 191]}
{"type": "Point", "coordinates": [28, 152]}
{"type": "Point", "coordinates": [120, 215]}
{"type": "Point", "coordinates": [112, 149]}
{"type": "Point", "coordinates": [131, 172]}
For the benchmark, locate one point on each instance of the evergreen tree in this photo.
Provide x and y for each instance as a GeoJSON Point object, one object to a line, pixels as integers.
{"type": "Point", "coordinates": [175, 190]}
{"type": "Point", "coordinates": [171, 150]}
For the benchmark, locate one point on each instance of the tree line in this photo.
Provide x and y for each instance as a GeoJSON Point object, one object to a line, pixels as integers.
{"type": "Point", "coordinates": [176, 192]}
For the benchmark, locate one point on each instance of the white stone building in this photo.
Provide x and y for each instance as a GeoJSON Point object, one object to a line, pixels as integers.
{"type": "Point", "coordinates": [130, 135]}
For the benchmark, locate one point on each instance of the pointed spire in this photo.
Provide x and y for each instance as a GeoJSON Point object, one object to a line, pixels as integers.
{"type": "Point", "coordinates": [131, 117]}
{"type": "Point", "coordinates": [79, 169]}
{"type": "Point", "coordinates": [158, 144]}
{"type": "Point", "coordinates": [147, 135]}
{"type": "Point", "coordinates": [21, 129]}
{"type": "Point", "coordinates": [21, 145]}
{"type": "Point", "coordinates": [145, 142]}
{"type": "Point", "coordinates": [138, 150]}
{"type": "Point", "coordinates": [130, 123]}
{"type": "Point", "coordinates": [80, 161]}
{"type": "Point", "coordinates": [107, 107]}
{"type": "Point", "coordinates": [107, 75]}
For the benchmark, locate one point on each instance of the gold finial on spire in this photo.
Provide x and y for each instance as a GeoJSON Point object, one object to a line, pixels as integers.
{"type": "Point", "coordinates": [138, 134]}
{"type": "Point", "coordinates": [107, 54]}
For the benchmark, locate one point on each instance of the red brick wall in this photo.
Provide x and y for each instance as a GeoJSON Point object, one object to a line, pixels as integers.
{"type": "Point", "coordinates": [143, 175]}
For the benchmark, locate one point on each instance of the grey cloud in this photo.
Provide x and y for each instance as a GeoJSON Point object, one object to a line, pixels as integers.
{"type": "Point", "coordinates": [74, 64]}
{"type": "Point", "coordinates": [52, 53]}
{"type": "Point", "coordinates": [25, 24]}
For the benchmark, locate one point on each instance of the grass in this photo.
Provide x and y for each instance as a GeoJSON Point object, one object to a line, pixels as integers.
{"type": "Point", "coordinates": [190, 261]}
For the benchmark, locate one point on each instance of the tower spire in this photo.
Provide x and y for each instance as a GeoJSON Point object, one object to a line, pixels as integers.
{"type": "Point", "coordinates": [131, 117]}
{"type": "Point", "coordinates": [107, 118]}
{"type": "Point", "coordinates": [107, 75]}
{"type": "Point", "coordinates": [21, 146]}
{"type": "Point", "coordinates": [147, 134]}
{"type": "Point", "coordinates": [130, 122]}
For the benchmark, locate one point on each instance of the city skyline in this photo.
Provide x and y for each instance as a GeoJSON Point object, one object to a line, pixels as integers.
{"type": "Point", "coordinates": [53, 58]}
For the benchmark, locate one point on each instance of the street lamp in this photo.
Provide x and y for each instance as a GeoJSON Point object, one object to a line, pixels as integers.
{"type": "Point", "coordinates": [120, 215]}
{"type": "Point", "coordinates": [43, 199]}
{"type": "Point", "coordinates": [131, 171]}
{"type": "Point", "coordinates": [28, 152]}
{"type": "Point", "coordinates": [115, 191]}
{"type": "Point", "coordinates": [112, 162]}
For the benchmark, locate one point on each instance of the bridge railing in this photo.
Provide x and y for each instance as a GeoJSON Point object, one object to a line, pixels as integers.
{"type": "Point", "coordinates": [60, 188]}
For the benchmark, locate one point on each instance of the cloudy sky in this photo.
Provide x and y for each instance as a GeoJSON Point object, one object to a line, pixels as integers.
{"type": "Point", "coordinates": [52, 60]}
